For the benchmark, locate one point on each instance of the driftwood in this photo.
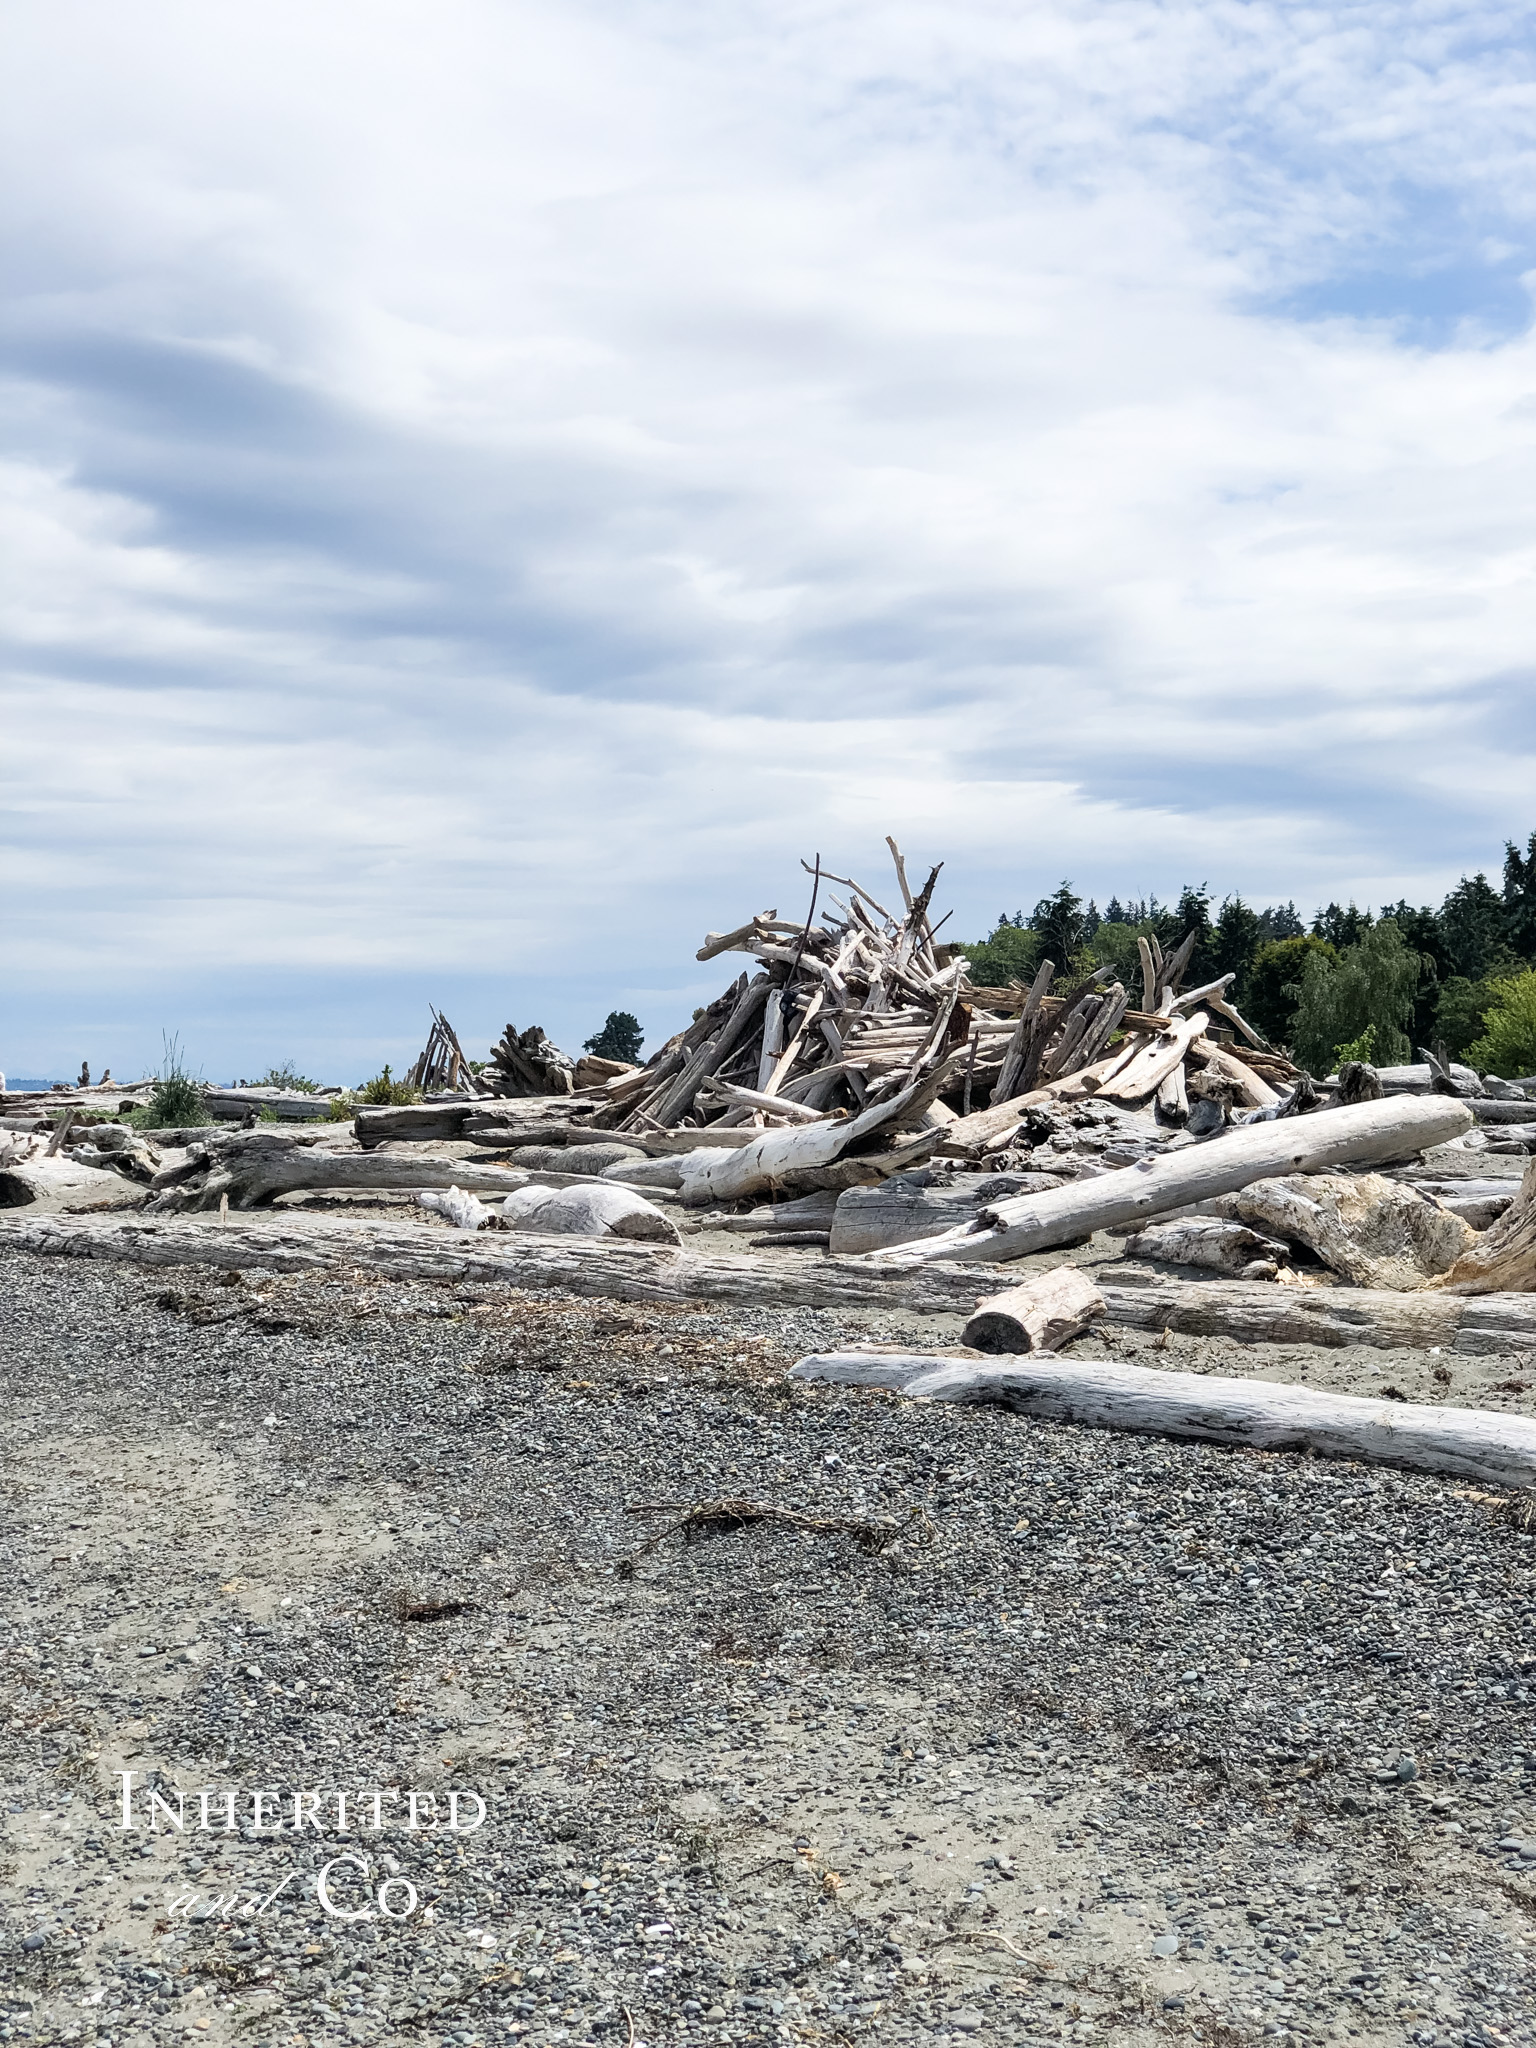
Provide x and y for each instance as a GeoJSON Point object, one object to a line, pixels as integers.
{"type": "Point", "coordinates": [1493, 1325]}
{"type": "Point", "coordinates": [1209, 1242]}
{"type": "Point", "coordinates": [908, 1206]}
{"type": "Point", "coordinates": [1375, 1232]}
{"type": "Point", "coordinates": [794, 1158]}
{"type": "Point", "coordinates": [1043, 1314]}
{"type": "Point", "coordinates": [609, 1268]}
{"type": "Point", "coordinates": [424, 1120]}
{"type": "Point", "coordinates": [257, 1173]}
{"type": "Point", "coordinates": [65, 1187]}
{"type": "Point", "coordinates": [288, 1105]}
{"type": "Point", "coordinates": [598, 1210]}
{"type": "Point", "coordinates": [1371, 1132]}
{"type": "Point", "coordinates": [1465, 1443]}
{"type": "Point", "coordinates": [1503, 1260]}
{"type": "Point", "coordinates": [464, 1212]}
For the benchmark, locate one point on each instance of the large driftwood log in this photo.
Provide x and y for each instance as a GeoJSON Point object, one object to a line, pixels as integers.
{"type": "Point", "coordinates": [250, 1177]}
{"type": "Point", "coordinates": [610, 1268]}
{"type": "Point", "coordinates": [903, 1209]}
{"type": "Point", "coordinates": [64, 1186]}
{"type": "Point", "coordinates": [1370, 1132]}
{"type": "Point", "coordinates": [1043, 1314]}
{"type": "Point", "coordinates": [1211, 1243]}
{"type": "Point", "coordinates": [289, 1105]}
{"type": "Point", "coordinates": [1503, 1260]}
{"type": "Point", "coordinates": [786, 1158]}
{"type": "Point", "coordinates": [1493, 1325]}
{"type": "Point", "coordinates": [413, 1120]}
{"type": "Point", "coordinates": [1497, 1450]}
{"type": "Point", "coordinates": [1374, 1231]}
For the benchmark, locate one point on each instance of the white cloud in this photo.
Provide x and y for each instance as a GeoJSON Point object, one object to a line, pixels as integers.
{"type": "Point", "coordinates": [495, 486]}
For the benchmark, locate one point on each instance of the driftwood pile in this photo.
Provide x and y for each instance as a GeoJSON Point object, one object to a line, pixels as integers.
{"type": "Point", "coordinates": [861, 1005]}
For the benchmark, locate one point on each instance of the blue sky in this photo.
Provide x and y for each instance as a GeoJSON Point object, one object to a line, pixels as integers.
{"type": "Point", "coordinates": [489, 488]}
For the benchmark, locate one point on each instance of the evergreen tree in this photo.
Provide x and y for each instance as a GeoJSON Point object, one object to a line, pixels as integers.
{"type": "Point", "coordinates": [1234, 943]}
{"type": "Point", "coordinates": [1372, 985]}
{"type": "Point", "coordinates": [1422, 930]}
{"type": "Point", "coordinates": [1340, 927]}
{"type": "Point", "coordinates": [1472, 928]}
{"type": "Point", "coordinates": [1193, 914]}
{"type": "Point", "coordinates": [620, 1038]}
{"type": "Point", "coordinates": [1520, 899]}
{"type": "Point", "coordinates": [1058, 924]}
{"type": "Point", "coordinates": [1281, 921]}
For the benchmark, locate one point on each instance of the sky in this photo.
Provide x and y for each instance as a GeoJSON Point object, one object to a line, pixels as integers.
{"type": "Point", "coordinates": [490, 488]}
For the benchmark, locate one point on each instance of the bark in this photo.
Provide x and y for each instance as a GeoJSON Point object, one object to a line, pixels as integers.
{"type": "Point", "coordinates": [1464, 1443]}
{"type": "Point", "coordinates": [1043, 1314]}
{"type": "Point", "coordinates": [414, 1120]}
{"type": "Point", "coordinates": [1370, 1133]}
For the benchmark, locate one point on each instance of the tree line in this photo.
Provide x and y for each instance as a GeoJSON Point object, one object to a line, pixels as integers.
{"type": "Point", "coordinates": [1351, 983]}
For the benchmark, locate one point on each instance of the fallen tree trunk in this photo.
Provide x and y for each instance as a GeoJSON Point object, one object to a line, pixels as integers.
{"type": "Point", "coordinates": [898, 1212]}
{"type": "Point", "coordinates": [249, 1179]}
{"type": "Point", "coordinates": [785, 1158]}
{"type": "Point", "coordinates": [1365, 1134]}
{"type": "Point", "coordinates": [1043, 1314]}
{"type": "Point", "coordinates": [606, 1267]}
{"type": "Point", "coordinates": [65, 1187]}
{"type": "Point", "coordinates": [1465, 1443]}
{"type": "Point", "coordinates": [414, 1120]}
{"type": "Point", "coordinates": [1492, 1325]}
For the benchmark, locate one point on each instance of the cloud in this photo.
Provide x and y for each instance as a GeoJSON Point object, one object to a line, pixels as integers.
{"type": "Point", "coordinates": [493, 488]}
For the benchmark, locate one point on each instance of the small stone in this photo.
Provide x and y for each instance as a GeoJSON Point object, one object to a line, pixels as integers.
{"type": "Point", "coordinates": [33, 1941]}
{"type": "Point", "coordinates": [1173, 2005]}
{"type": "Point", "coordinates": [1407, 1770]}
{"type": "Point", "coordinates": [967, 2019]}
{"type": "Point", "coordinates": [1166, 1945]}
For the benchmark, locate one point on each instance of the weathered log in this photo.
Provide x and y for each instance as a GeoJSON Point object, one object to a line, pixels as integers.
{"type": "Point", "coordinates": [1259, 1312]}
{"type": "Point", "coordinates": [1044, 1313]}
{"type": "Point", "coordinates": [1370, 1132]}
{"type": "Point", "coordinates": [463, 1211]}
{"type": "Point", "coordinates": [64, 1186]}
{"type": "Point", "coordinates": [601, 1209]}
{"type": "Point", "coordinates": [1503, 1260]}
{"type": "Point", "coordinates": [413, 1120]}
{"type": "Point", "coordinates": [1374, 1231]}
{"type": "Point", "coordinates": [908, 1206]}
{"type": "Point", "coordinates": [1208, 1242]}
{"type": "Point", "coordinates": [288, 1105]}
{"type": "Point", "coordinates": [256, 1174]}
{"type": "Point", "coordinates": [609, 1268]}
{"type": "Point", "coordinates": [1148, 1066]}
{"type": "Point", "coordinates": [1465, 1443]}
{"type": "Point", "coordinates": [784, 1158]}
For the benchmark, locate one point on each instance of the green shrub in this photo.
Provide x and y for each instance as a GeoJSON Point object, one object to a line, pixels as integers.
{"type": "Point", "coordinates": [384, 1092]}
{"type": "Point", "coordinates": [1009, 955]}
{"type": "Point", "coordinates": [1361, 1048]}
{"type": "Point", "coordinates": [286, 1076]}
{"type": "Point", "coordinates": [176, 1098]}
{"type": "Point", "coordinates": [1508, 1044]}
{"type": "Point", "coordinates": [343, 1107]}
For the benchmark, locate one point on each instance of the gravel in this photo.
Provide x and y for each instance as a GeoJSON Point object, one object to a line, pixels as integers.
{"type": "Point", "coordinates": [1071, 1736]}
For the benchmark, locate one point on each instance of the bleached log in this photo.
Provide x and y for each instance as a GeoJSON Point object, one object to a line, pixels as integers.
{"type": "Point", "coordinates": [985, 1130]}
{"type": "Point", "coordinates": [608, 1268]}
{"type": "Point", "coordinates": [1148, 1068]}
{"type": "Point", "coordinates": [288, 1105]}
{"type": "Point", "coordinates": [1368, 1134]}
{"type": "Point", "coordinates": [600, 1209]}
{"type": "Point", "coordinates": [1249, 1089]}
{"type": "Point", "coordinates": [1044, 1313]}
{"type": "Point", "coordinates": [1208, 1242]}
{"type": "Point", "coordinates": [463, 1211]}
{"type": "Point", "coordinates": [253, 1176]}
{"type": "Point", "coordinates": [783, 1158]}
{"type": "Point", "coordinates": [1464, 1443]}
{"type": "Point", "coordinates": [897, 1211]}
{"type": "Point", "coordinates": [1374, 1231]}
{"type": "Point", "coordinates": [64, 1186]}
{"type": "Point", "coordinates": [426, 1120]}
